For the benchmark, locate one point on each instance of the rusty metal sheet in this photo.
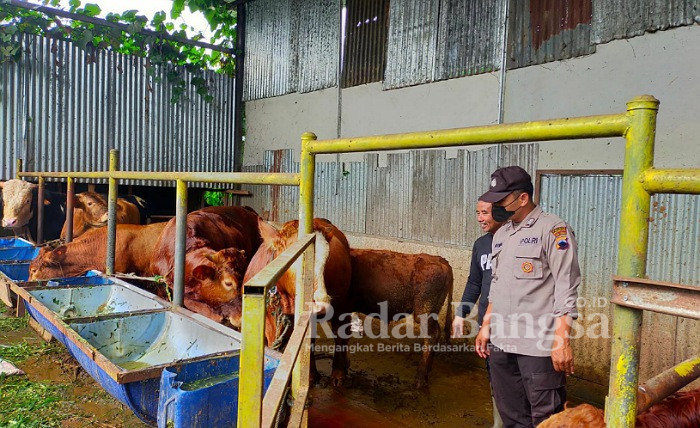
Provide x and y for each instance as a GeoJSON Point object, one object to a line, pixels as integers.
{"type": "Point", "coordinates": [657, 296]}
{"type": "Point", "coordinates": [543, 31]}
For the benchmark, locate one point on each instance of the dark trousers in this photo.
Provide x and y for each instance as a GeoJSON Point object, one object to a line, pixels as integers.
{"type": "Point", "coordinates": [527, 390]}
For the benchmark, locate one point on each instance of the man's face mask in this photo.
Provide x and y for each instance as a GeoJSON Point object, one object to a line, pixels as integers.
{"type": "Point", "coordinates": [501, 214]}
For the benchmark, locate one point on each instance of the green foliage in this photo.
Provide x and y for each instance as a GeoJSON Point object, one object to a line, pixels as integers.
{"type": "Point", "coordinates": [214, 198]}
{"type": "Point", "coordinates": [21, 351]}
{"type": "Point", "coordinates": [12, 323]}
{"type": "Point", "coordinates": [172, 56]}
{"type": "Point", "coordinates": [29, 404]}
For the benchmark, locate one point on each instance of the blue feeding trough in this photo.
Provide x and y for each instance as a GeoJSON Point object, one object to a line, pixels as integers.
{"type": "Point", "coordinates": [170, 366]}
{"type": "Point", "coordinates": [204, 394]}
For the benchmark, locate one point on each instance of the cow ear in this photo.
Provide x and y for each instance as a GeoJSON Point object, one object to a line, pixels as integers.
{"type": "Point", "coordinates": [2, 184]}
{"type": "Point", "coordinates": [60, 251]}
{"type": "Point", "coordinates": [215, 258]}
{"type": "Point", "coordinates": [203, 272]}
{"type": "Point", "coordinates": [268, 232]}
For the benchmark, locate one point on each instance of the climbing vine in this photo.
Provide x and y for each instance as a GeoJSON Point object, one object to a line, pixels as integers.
{"type": "Point", "coordinates": [175, 56]}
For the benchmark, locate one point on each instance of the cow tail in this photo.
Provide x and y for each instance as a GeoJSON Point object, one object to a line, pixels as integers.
{"type": "Point", "coordinates": [449, 312]}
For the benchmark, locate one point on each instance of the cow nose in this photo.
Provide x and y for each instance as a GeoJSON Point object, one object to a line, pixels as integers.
{"type": "Point", "coordinates": [8, 222]}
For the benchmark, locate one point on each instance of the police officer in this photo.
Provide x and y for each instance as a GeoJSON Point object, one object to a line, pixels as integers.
{"type": "Point", "coordinates": [479, 281]}
{"type": "Point", "coordinates": [532, 303]}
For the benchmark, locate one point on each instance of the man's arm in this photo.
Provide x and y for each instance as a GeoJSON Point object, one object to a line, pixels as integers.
{"type": "Point", "coordinates": [482, 339]}
{"type": "Point", "coordinates": [470, 295]}
{"type": "Point", "coordinates": [563, 262]}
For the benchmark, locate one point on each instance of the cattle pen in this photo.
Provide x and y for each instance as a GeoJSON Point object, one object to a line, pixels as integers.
{"type": "Point", "coordinates": [631, 294]}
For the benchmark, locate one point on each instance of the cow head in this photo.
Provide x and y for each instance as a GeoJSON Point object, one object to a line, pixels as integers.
{"type": "Point", "coordinates": [217, 277]}
{"type": "Point", "coordinates": [17, 203]}
{"type": "Point", "coordinates": [94, 207]}
{"type": "Point", "coordinates": [48, 264]}
{"type": "Point", "coordinates": [275, 241]}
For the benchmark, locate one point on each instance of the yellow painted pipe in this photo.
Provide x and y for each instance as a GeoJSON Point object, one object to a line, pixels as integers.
{"type": "Point", "coordinates": [281, 179]}
{"type": "Point", "coordinates": [18, 171]}
{"type": "Point", "coordinates": [304, 285]}
{"type": "Point", "coordinates": [112, 212]}
{"type": "Point", "coordinates": [685, 181]}
{"type": "Point", "coordinates": [621, 403]}
{"type": "Point", "coordinates": [180, 242]}
{"type": "Point", "coordinates": [614, 125]}
{"type": "Point", "coordinates": [252, 361]}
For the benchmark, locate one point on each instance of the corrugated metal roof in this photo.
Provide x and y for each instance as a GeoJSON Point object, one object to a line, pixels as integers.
{"type": "Point", "coordinates": [591, 204]}
{"type": "Point", "coordinates": [63, 109]}
{"type": "Point", "coordinates": [469, 38]}
{"type": "Point", "coordinates": [365, 42]}
{"type": "Point", "coordinates": [543, 31]}
{"type": "Point", "coordinates": [619, 19]}
{"type": "Point", "coordinates": [412, 42]}
{"type": "Point", "coordinates": [319, 54]}
{"type": "Point", "coordinates": [270, 49]}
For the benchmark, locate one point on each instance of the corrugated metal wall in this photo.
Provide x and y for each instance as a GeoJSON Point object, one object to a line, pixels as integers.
{"type": "Point", "coordinates": [434, 39]}
{"type": "Point", "coordinates": [319, 51]}
{"type": "Point", "coordinates": [418, 195]}
{"type": "Point", "coordinates": [270, 49]}
{"type": "Point", "coordinates": [591, 205]}
{"type": "Point", "coordinates": [365, 41]}
{"type": "Point", "coordinates": [412, 42]}
{"type": "Point", "coordinates": [543, 31]}
{"type": "Point", "coordinates": [619, 19]}
{"type": "Point", "coordinates": [63, 109]}
{"type": "Point", "coordinates": [469, 38]}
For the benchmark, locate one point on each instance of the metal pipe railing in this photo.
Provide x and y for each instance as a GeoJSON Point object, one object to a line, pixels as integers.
{"type": "Point", "coordinates": [112, 212]}
{"type": "Point", "coordinates": [281, 179]}
{"type": "Point", "coordinates": [253, 328]}
{"type": "Point", "coordinates": [614, 125]}
{"type": "Point", "coordinates": [685, 181]}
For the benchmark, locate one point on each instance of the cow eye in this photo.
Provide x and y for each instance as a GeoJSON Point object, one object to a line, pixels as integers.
{"type": "Point", "coordinates": [89, 204]}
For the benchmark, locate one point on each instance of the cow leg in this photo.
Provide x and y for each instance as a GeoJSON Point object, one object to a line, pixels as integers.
{"type": "Point", "coordinates": [429, 342]}
{"type": "Point", "coordinates": [340, 354]}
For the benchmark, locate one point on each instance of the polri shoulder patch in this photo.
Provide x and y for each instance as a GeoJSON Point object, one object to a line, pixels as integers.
{"type": "Point", "coordinates": [560, 237]}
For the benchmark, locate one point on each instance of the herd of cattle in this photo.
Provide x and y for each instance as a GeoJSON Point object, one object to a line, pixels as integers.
{"type": "Point", "coordinates": [226, 246]}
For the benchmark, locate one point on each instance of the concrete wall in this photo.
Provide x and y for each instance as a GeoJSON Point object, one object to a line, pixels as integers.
{"type": "Point", "coordinates": [665, 64]}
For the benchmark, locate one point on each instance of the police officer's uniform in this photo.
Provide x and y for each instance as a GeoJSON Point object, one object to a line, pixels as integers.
{"type": "Point", "coordinates": [535, 280]}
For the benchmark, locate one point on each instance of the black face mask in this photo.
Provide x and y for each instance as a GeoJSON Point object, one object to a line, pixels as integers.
{"type": "Point", "coordinates": [500, 214]}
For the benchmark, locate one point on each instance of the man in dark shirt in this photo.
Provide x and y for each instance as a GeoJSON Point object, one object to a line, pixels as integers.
{"type": "Point", "coordinates": [479, 281]}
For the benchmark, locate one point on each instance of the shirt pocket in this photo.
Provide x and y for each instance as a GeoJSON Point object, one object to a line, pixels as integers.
{"type": "Point", "coordinates": [528, 262]}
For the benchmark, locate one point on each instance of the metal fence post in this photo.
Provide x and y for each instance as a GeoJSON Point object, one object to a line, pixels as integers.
{"type": "Point", "coordinates": [112, 212]}
{"type": "Point", "coordinates": [18, 168]}
{"type": "Point", "coordinates": [252, 358]}
{"type": "Point", "coordinates": [621, 403]}
{"type": "Point", "coordinates": [40, 211]}
{"type": "Point", "coordinates": [304, 286]}
{"type": "Point", "coordinates": [70, 194]}
{"type": "Point", "coordinates": [180, 240]}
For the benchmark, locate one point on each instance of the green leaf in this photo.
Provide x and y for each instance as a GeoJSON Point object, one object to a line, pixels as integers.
{"type": "Point", "coordinates": [91, 9]}
{"type": "Point", "coordinates": [178, 7]}
{"type": "Point", "coordinates": [158, 19]}
{"type": "Point", "coordinates": [74, 4]}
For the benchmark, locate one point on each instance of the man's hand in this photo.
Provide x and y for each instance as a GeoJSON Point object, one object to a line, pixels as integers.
{"type": "Point", "coordinates": [482, 341]}
{"type": "Point", "coordinates": [562, 354]}
{"type": "Point", "coordinates": [457, 327]}
{"type": "Point", "coordinates": [563, 358]}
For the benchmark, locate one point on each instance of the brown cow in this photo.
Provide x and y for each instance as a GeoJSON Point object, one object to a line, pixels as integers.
{"type": "Point", "coordinates": [90, 211]}
{"type": "Point", "coordinates": [331, 281]}
{"type": "Point", "coordinates": [133, 250]}
{"type": "Point", "coordinates": [218, 248]}
{"type": "Point", "coordinates": [680, 410]}
{"type": "Point", "coordinates": [408, 283]}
